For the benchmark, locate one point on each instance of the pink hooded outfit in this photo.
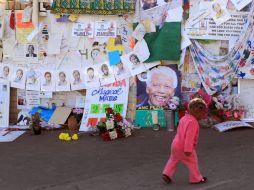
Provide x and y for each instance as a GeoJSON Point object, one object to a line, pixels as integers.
{"type": "Point", "coordinates": [185, 140]}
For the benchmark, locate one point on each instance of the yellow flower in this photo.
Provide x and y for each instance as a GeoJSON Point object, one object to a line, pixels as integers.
{"type": "Point", "coordinates": [61, 136]}
{"type": "Point", "coordinates": [67, 137]}
{"type": "Point", "coordinates": [75, 137]}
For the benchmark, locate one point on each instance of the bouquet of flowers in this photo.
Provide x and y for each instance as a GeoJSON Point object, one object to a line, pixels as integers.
{"type": "Point", "coordinates": [114, 126]}
{"type": "Point", "coordinates": [229, 108]}
{"type": "Point", "coordinates": [172, 104]}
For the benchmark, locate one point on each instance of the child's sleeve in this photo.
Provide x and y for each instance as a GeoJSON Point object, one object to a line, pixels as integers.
{"type": "Point", "coordinates": [190, 134]}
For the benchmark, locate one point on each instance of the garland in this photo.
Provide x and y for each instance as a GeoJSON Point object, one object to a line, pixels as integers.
{"type": "Point", "coordinates": [216, 72]}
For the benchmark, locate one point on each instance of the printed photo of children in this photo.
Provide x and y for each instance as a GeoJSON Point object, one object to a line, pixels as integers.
{"type": "Point", "coordinates": [47, 81]}
{"type": "Point", "coordinates": [105, 73]}
{"type": "Point", "coordinates": [121, 71]}
{"type": "Point", "coordinates": [91, 77]}
{"type": "Point", "coordinates": [77, 80]}
{"type": "Point", "coordinates": [19, 78]}
{"type": "Point", "coordinates": [5, 71]}
{"type": "Point", "coordinates": [33, 80]}
{"type": "Point", "coordinates": [133, 63]}
{"type": "Point", "coordinates": [63, 83]}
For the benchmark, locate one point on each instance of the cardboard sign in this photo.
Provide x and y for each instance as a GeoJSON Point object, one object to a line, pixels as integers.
{"type": "Point", "coordinates": [60, 115]}
{"type": "Point", "coordinates": [224, 126]}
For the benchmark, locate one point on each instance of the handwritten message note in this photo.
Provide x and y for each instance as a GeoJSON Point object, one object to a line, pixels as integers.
{"type": "Point", "coordinates": [98, 99]}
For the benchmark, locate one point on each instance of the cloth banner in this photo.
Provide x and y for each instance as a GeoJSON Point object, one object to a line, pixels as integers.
{"type": "Point", "coordinates": [216, 72]}
{"type": "Point", "coordinates": [165, 43]}
{"type": "Point", "coordinates": [99, 7]}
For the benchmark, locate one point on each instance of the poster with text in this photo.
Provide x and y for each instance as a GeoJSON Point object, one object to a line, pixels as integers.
{"type": "Point", "coordinates": [105, 29]}
{"type": "Point", "coordinates": [206, 28]}
{"type": "Point", "coordinates": [4, 103]}
{"type": "Point", "coordinates": [98, 99]}
{"type": "Point", "coordinates": [83, 29]}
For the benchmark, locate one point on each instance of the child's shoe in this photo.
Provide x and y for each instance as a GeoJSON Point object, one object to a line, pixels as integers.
{"type": "Point", "coordinates": [203, 180]}
{"type": "Point", "coordinates": [166, 178]}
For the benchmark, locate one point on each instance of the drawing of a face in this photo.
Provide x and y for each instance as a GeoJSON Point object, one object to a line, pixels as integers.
{"type": "Point", "coordinates": [94, 53]}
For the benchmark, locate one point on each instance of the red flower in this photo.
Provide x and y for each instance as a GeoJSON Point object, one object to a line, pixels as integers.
{"type": "Point", "coordinates": [109, 110]}
{"type": "Point", "coordinates": [105, 136]}
{"type": "Point", "coordinates": [120, 133]}
{"type": "Point", "coordinates": [118, 117]}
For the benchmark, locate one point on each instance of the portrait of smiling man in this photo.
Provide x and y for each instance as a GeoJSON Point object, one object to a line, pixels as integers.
{"type": "Point", "coordinates": [160, 86]}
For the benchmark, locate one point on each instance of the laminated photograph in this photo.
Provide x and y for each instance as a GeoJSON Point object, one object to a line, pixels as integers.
{"type": "Point", "coordinates": [150, 4]}
{"type": "Point", "coordinates": [133, 63]}
{"type": "Point", "coordinates": [155, 15]}
{"type": "Point", "coordinates": [83, 29]}
{"type": "Point", "coordinates": [139, 32]}
{"type": "Point", "coordinates": [105, 29]}
{"type": "Point", "coordinates": [62, 81]}
{"type": "Point", "coordinates": [33, 80]}
{"type": "Point", "coordinates": [18, 78]}
{"type": "Point", "coordinates": [48, 81]}
{"type": "Point", "coordinates": [220, 13]}
{"type": "Point", "coordinates": [31, 53]}
{"type": "Point", "coordinates": [106, 74]}
{"type": "Point", "coordinates": [121, 71]}
{"type": "Point", "coordinates": [77, 79]}
{"type": "Point", "coordinates": [21, 99]}
{"type": "Point", "coordinates": [6, 71]}
{"type": "Point", "coordinates": [91, 76]}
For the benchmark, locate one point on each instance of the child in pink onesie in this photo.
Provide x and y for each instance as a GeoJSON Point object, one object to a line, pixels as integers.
{"type": "Point", "coordinates": [183, 148]}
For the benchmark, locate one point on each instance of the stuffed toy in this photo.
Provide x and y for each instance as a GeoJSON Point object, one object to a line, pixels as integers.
{"type": "Point", "coordinates": [218, 104]}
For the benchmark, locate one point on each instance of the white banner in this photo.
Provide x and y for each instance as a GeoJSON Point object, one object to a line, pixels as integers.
{"type": "Point", "coordinates": [207, 29]}
{"type": "Point", "coordinates": [98, 99]}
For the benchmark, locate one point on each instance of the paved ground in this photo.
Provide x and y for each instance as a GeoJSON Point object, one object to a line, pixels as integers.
{"type": "Point", "coordinates": [45, 163]}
